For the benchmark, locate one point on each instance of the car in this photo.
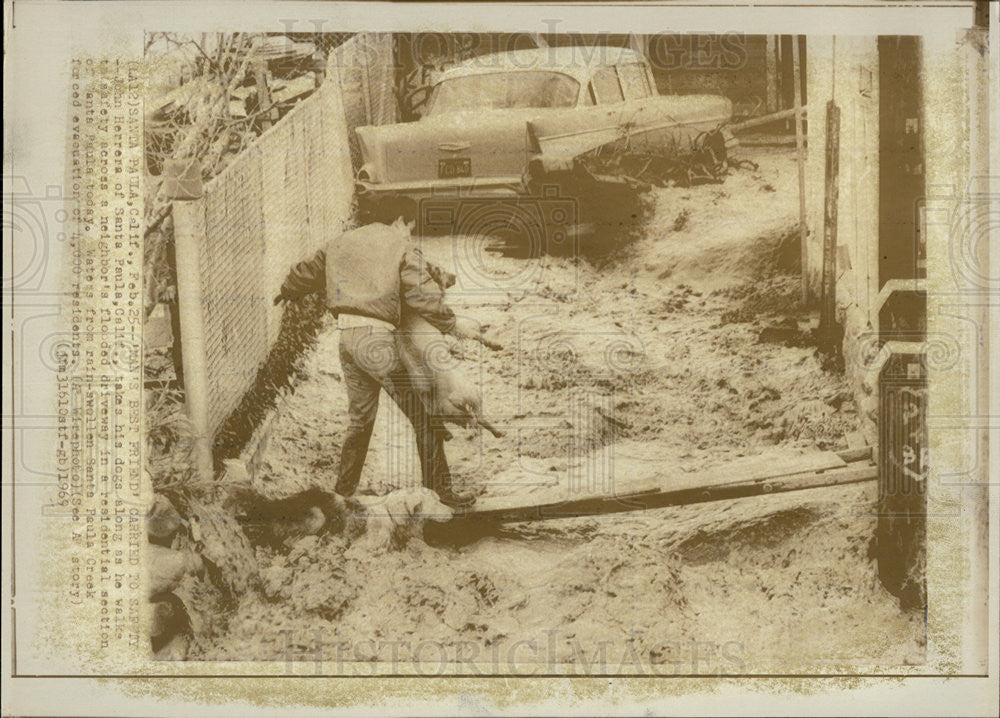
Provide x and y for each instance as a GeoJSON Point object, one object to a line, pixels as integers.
{"type": "Point", "coordinates": [510, 126]}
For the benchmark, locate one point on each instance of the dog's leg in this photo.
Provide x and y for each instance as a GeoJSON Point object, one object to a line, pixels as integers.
{"type": "Point", "coordinates": [488, 426]}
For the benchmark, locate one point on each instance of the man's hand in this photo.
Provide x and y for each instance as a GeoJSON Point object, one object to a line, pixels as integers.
{"type": "Point", "coordinates": [281, 299]}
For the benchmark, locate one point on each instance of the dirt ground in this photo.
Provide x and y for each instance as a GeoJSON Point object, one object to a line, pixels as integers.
{"type": "Point", "coordinates": [655, 354]}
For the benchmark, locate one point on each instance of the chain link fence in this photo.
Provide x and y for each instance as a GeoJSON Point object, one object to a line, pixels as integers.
{"type": "Point", "coordinates": [280, 201]}
{"type": "Point", "coordinates": [364, 67]}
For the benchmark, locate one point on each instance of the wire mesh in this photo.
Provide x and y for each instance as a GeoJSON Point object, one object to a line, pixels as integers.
{"type": "Point", "coordinates": [280, 201]}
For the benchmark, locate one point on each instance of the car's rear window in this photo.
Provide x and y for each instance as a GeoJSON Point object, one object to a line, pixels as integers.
{"type": "Point", "coordinates": [504, 91]}
{"type": "Point", "coordinates": [606, 86]}
{"type": "Point", "coordinates": [634, 81]}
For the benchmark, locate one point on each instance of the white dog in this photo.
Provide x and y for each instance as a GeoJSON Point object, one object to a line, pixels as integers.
{"type": "Point", "coordinates": [394, 520]}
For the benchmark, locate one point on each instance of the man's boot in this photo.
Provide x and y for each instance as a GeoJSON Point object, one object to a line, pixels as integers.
{"type": "Point", "coordinates": [456, 499]}
{"type": "Point", "coordinates": [439, 480]}
{"type": "Point", "coordinates": [433, 464]}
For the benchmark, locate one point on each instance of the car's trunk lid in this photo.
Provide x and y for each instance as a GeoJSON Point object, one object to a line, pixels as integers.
{"type": "Point", "coordinates": [666, 125]}
{"type": "Point", "coordinates": [460, 146]}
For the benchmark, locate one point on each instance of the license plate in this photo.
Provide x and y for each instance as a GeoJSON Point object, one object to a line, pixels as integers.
{"type": "Point", "coordinates": [452, 167]}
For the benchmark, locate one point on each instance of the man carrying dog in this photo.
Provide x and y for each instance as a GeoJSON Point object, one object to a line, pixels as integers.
{"type": "Point", "coordinates": [371, 276]}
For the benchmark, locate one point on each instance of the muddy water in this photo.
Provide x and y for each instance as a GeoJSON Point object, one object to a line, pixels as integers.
{"type": "Point", "coordinates": [656, 355]}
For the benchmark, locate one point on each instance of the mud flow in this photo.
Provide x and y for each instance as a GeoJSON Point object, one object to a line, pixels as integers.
{"type": "Point", "coordinates": [653, 353]}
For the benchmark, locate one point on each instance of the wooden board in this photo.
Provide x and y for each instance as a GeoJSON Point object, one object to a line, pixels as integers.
{"type": "Point", "coordinates": [852, 473]}
{"type": "Point", "coordinates": [657, 486]}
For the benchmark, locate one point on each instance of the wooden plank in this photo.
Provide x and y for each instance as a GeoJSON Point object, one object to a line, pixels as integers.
{"type": "Point", "coordinates": [765, 466]}
{"type": "Point", "coordinates": [676, 496]}
{"type": "Point", "coordinates": [618, 475]}
{"type": "Point", "coordinates": [863, 453]}
{"type": "Point", "coordinates": [856, 440]}
{"type": "Point", "coordinates": [636, 477]}
{"type": "Point", "coordinates": [263, 94]}
{"type": "Point", "coordinates": [636, 480]}
{"type": "Point", "coordinates": [767, 119]}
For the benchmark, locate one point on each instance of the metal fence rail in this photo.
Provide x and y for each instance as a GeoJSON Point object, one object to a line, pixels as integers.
{"type": "Point", "coordinates": [287, 194]}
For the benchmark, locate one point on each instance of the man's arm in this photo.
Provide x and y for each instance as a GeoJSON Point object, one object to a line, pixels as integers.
{"type": "Point", "coordinates": [422, 285]}
{"type": "Point", "coordinates": [305, 278]}
{"type": "Point", "coordinates": [422, 294]}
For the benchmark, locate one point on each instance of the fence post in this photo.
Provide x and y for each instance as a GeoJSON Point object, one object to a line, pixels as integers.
{"type": "Point", "coordinates": [771, 73]}
{"type": "Point", "coordinates": [800, 161]}
{"type": "Point", "coordinates": [828, 285]}
{"type": "Point", "coordinates": [189, 237]}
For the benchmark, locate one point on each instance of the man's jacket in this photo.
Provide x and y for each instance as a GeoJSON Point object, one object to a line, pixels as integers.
{"type": "Point", "coordinates": [373, 271]}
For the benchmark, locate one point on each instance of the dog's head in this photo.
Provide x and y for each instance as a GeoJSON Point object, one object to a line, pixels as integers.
{"type": "Point", "coordinates": [395, 519]}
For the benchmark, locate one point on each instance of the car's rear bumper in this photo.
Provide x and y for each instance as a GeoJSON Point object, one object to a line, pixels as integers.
{"type": "Point", "coordinates": [505, 186]}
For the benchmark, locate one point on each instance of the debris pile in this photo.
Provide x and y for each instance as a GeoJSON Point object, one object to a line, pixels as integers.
{"type": "Point", "coordinates": [706, 163]}
{"type": "Point", "coordinates": [199, 562]}
{"type": "Point", "coordinates": [249, 83]}
{"type": "Point", "coordinates": [171, 562]}
{"type": "Point", "coordinates": [214, 101]}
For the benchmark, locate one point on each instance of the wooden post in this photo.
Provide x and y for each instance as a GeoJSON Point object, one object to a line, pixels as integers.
{"type": "Point", "coordinates": [366, 88]}
{"type": "Point", "coordinates": [901, 532]}
{"type": "Point", "coordinates": [786, 60]}
{"type": "Point", "coordinates": [800, 156]}
{"type": "Point", "coordinates": [828, 296]}
{"type": "Point", "coordinates": [189, 236]}
{"type": "Point", "coordinates": [771, 68]}
{"type": "Point", "coordinates": [264, 102]}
